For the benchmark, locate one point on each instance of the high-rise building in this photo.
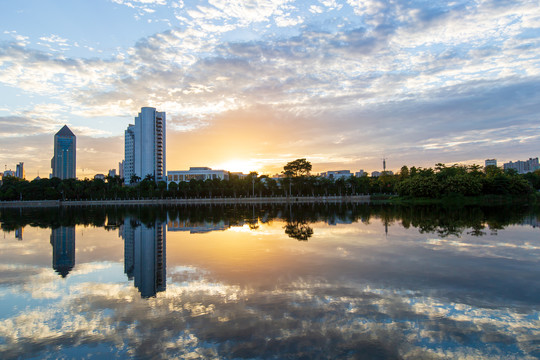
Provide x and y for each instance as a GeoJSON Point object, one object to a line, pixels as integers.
{"type": "Point", "coordinates": [145, 144]}
{"type": "Point", "coordinates": [63, 163]}
{"type": "Point", "coordinates": [129, 153]}
{"type": "Point", "coordinates": [20, 171]}
{"type": "Point", "coordinates": [491, 162]}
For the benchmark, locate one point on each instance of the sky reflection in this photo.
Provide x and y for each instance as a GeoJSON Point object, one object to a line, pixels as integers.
{"type": "Point", "coordinates": [352, 290]}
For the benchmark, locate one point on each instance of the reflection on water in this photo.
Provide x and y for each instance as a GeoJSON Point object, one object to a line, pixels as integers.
{"type": "Point", "coordinates": [197, 227]}
{"type": "Point", "coordinates": [228, 282]}
{"type": "Point", "coordinates": [63, 244]}
{"type": "Point", "coordinates": [298, 230]}
{"type": "Point", "coordinates": [145, 255]}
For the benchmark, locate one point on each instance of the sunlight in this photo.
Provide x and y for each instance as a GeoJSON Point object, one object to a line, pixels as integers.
{"type": "Point", "coordinates": [243, 166]}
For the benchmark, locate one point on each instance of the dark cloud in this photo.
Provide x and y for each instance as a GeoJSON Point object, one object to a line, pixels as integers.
{"type": "Point", "coordinates": [17, 125]}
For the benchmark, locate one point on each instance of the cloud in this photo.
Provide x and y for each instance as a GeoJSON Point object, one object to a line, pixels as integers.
{"type": "Point", "coordinates": [54, 39]}
{"type": "Point", "coordinates": [440, 72]}
{"type": "Point", "coordinates": [17, 126]}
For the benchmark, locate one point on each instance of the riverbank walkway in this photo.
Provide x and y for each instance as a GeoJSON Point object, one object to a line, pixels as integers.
{"type": "Point", "coordinates": [190, 201]}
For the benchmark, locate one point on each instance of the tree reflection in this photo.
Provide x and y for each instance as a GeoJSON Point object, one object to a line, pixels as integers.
{"type": "Point", "coordinates": [299, 230]}
{"type": "Point", "coordinates": [441, 220]}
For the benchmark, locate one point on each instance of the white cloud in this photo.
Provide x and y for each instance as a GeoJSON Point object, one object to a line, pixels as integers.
{"type": "Point", "coordinates": [385, 53]}
{"type": "Point", "coordinates": [315, 9]}
{"type": "Point", "coordinates": [54, 39]}
{"type": "Point", "coordinates": [331, 4]}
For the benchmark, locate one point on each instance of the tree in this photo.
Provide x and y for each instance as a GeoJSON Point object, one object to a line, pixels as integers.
{"type": "Point", "coordinates": [296, 168]}
{"type": "Point", "coordinates": [404, 172]}
{"type": "Point", "coordinates": [134, 179]}
{"type": "Point", "coordinates": [162, 186]}
{"type": "Point", "coordinates": [173, 188]}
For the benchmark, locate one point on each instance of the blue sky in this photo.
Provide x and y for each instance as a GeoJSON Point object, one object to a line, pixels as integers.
{"type": "Point", "coordinates": [262, 82]}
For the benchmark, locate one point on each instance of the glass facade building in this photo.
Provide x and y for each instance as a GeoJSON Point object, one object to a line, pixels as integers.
{"type": "Point", "coordinates": [64, 161]}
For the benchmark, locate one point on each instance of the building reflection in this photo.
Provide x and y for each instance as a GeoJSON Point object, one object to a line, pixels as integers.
{"type": "Point", "coordinates": [144, 255]}
{"type": "Point", "coordinates": [19, 233]}
{"type": "Point", "coordinates": [63, 244]}
{"type": "Point", "coordinates": [197, 227]}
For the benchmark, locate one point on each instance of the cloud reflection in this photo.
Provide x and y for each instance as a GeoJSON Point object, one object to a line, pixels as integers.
{"type": "Point", "coordinates": [349, 292]}
{"type": "Point", "coordinates": [303, 318]}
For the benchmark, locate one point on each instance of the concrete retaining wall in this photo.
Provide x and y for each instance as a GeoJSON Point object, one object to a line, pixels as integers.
{"type": "Point", "coordinates": [194, 201]}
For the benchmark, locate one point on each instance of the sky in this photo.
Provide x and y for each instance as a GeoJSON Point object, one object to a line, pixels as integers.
{"type": "Point", "coordinates": [253, 84]}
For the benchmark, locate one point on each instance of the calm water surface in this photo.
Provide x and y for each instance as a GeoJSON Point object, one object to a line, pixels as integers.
{"type": "Point", "coordinates": [350, 281]}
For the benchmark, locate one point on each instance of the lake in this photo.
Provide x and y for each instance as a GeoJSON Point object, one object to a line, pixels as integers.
{"type": "Point", "coordinates": [274, 281]}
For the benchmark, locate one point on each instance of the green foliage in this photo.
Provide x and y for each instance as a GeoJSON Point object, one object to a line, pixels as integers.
{"type": "Point", "coordinates": [298, 167]}
{"type": "Point", "coordinates": [442, 181]}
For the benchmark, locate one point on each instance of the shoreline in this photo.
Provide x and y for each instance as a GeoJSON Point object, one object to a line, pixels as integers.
{"type": "Point", "coordinates": [190, 201]}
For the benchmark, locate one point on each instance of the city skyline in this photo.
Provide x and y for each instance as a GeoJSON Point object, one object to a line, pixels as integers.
{"type": "Point", "coordinates": [256, 84]}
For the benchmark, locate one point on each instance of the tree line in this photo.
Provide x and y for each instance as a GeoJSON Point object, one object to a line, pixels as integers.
{"type": "Point", "coordinates": [438, 182]}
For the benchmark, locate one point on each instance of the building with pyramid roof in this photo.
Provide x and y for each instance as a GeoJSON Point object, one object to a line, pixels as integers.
{"type": "Point", "coordinates": [64, 161]}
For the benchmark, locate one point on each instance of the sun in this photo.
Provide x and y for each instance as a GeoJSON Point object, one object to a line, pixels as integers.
{"type": "Point", "coordinates": [236, 165]}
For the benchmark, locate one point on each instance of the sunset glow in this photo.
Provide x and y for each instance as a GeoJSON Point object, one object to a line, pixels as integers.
{"type": "Point", "coordinates": [251, 85]}
{"type": "Point", "coordinates": [245, 166]}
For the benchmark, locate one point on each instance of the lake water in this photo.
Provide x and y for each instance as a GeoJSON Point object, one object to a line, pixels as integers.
{"type": "Point", "coordinates": [283, 282]}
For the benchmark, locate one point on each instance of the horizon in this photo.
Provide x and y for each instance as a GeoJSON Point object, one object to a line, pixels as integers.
{"type": "Point", "coordinates": [252, 85]}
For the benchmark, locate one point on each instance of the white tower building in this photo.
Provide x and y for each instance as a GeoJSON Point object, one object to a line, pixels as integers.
{"type": "Point", "coordinates": [129, 153]}
{"type": "Point", "coordinates": [145, 144]}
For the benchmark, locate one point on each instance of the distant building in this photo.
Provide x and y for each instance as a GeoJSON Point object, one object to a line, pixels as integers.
{"type": "Point", "coordinates": [239, 174]}
{"type": "Point", "coordinates": [112, 173]}
{"type": "Point", "coordinates": [360, 173]}
{"type": "Point", "coordinates": [198, 173]}
{"type": "Point", "coordinates": [145, 144]}
{"type": "Point", "coordinates": [387, 172]}
{"type": "Point", "coordinates": [9, 173]}
{"type": "Point", "coordinates": [99, 176]}
{"type": "Point", "coordinates": [121, 169]}
{"type": "Point", "coordinates": [338, 174]}
{"type": "Point", "coordinates": [523, 167]}
{"type": "Point", "coordinates": [64, 161]}
{"type": "Point", "coordinates": [375, 174]}
{"type": "Point", "coordinates": [20, 171]}
{"type": "Point", "coordinates": [491, 162]}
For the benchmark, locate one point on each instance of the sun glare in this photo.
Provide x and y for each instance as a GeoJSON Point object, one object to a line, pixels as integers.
{"type": "Point", "coordinates": [243, 166]}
